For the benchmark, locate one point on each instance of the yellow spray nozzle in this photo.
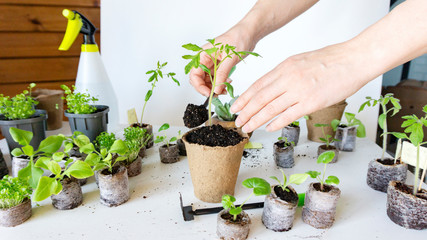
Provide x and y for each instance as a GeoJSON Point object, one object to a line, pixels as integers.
{"type": "Point", "coordinates": [74, 26]}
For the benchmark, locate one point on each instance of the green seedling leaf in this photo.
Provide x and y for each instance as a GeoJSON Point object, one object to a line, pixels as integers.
{"type": "Point", "coordinates": [54, 167]}
{"type": "Point", "coordinates": [21, 136]}
{"type": "Point", "coordinates": [92, 159]}
{"type": "Point", "coordinates": [205, 69]}
{"type": "Point", "coordinates": [332, 180]}
{"type": "Point", "coordinates": [119, 159]}
{"type": "Point", "coordinates": [148, 95]}
{"type": "Point", "coordinates": [68, 147]}
{"type": "Point", "coordinates": [235, 211]}
{"type": "Point", "coordinates": [51, 144]}
{"type": "Point", "coordinates": [250, 53]}
{"type": "Point", "coordinates": [335, 123]}
{"type": "Point", "coordinates": [81, 140]}
{"type": "Point", "coordinates": [32, 174]}
{"type": "Point", "coordinates": [17, 152]}
{"type": "Point", "coordinates": [210, 51]}
{"type": "Point", "coordinates": [164, 127]}
{"type": "Point", "coordinates": [119, 147]}
{"type": "Point", "coordinates": [298, 178]}
{"type": "Point", "coordinates": [326, 157]}
{"type": "Point", "coordinates": [88, 148]}
{"type": "Point", "coordinates": [28, 150]}
{"type": "Point", "coordinates": [98, 167]}
{"type": "Point", "coordinates": [173, 139]}
{"type": "Point", "coordinates": [227, 201]}
{"type": "Point", "coordinates": [276, 179]}
{"type": "Point", "coordinates": [45, 188]}
{"type": "Point", "coordinates": [349, 116]}
{"type": "Point", "coordinates": [320, 125]}
{"type": "Point", "coordinates": [192, 47]}
{"type": "Point", "coordinates": [382, 120]}
{"type": "Point", "coordinates": [230, 89]}
{"type": "Point", "coordinates": [79, 170]}
{"type": "Point", "coordinates": [313, 174]}
{"type": "Point", "coordinates": [259, 186]}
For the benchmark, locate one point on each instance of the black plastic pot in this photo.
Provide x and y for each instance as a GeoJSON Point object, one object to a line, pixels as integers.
{"type": "Point", "coordinates": [3, 167]}
{"type": "Point", "coordinates": [35, 124]}
{"type": "Point", "coordinates": [291, 132]}
{"type": "Point", "coordinates": [283, 155]}
{"type": "Point", "coordinates": [92, 124]}
{"type": "Point", "coordinates": [346, 137]}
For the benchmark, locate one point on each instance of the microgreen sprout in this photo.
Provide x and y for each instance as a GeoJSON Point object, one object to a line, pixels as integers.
{"type": "Point", "coordinates": [324, 158]}
{"type": "Point", "coordinates": [218, 53]}
{"type": "Point", "coordinates": [260, 187]}
{"type": "Point", "coordinates": [20, 106]}
{"type": "Point", "coordinates": [327, 139]}
{"type": "Point", "coordinates": [105, 140]}
{"type": "Point", "coordinates": [135, 139]}
{"type": "Point", "coordinates": [78, 103]}
{"type": "Point", "coordinates": [13, 191]}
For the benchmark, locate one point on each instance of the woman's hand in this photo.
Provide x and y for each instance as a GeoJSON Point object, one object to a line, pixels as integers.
{"type": "Point", "coordinates": [300, 85]}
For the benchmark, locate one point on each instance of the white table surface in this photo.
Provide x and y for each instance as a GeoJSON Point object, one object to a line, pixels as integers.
{"type": "Point", "coordinates": [153, 211]}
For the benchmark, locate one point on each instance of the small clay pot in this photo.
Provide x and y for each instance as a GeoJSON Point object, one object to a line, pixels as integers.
{"type": "Point", "coordinates": [141, 152]}
{"type": "Point", "coordinates": [181, 147]}
{"type": "Point", "coordinates": [381, 172]}
{"type": "Point", "coordinates": [346, 137]}
{"type": "Point", "coordinates": [149, 129]}
{"type": "Point", "coordinates": [169, 154]}
{"type": "Point", "coordinates": [113, 187]}
{"type": "Point", "coordinates": [279, 214]}
{"type": "Point", "coordinates": [11, 217]}
{"type": "Point", "coordinates": [135, 167]}
{"type": "Point", "coordinates": [3, 167]}
{"type": "Point", "coordinates": [71, 195]}
{"type": "Point", "coordinates": [323, 148]}
{"type": "Point", "coordinates": [291, 132]}
{"type": "Point", "coordinates": [19, 163]}
{"type": "Point", "coordinates": [319, 207]}
{"type": "Point", "coordinates": [283, 155]}
{"type": "Point", "coordinates": [229, 230]}
{"type": "Point", "coordinates": [405, 209]}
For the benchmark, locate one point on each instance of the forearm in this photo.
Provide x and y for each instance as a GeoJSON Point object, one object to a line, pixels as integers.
{"type": "Point", "coordinates": [269, 15]}
{"type": "Point", "coordinates": [395, 39]}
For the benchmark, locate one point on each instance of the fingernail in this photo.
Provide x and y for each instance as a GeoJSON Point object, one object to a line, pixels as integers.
{"type": "Point", "coordinates": [246, 129]}
{"type": "Point", "coordinates": [238, 123]}
{"type": "Point", "coordinates": [233, 108]}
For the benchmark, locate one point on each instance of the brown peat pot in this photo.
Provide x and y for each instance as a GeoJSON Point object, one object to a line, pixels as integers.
{"type": "Point", "coordinates": [51, 101]}
{"type": "Point", "coordinates": [320, 207]}
{"type": "Point", "coordinates": [11, 217]}
{"type": "Point", "coordinates": [405, 209]}
{"type": "Point", "coordinates": [71, 195]}
{"type": "Point", "coordinates": [381, 172]}
{"type": "Point", "coordinates": [323, 148]}
{"type": "Point", "coordinates": [347, 138]}
{"type": "Point", "coordinates": [135, 167]}
{"type": "Point", "coordinates": [181, 147]}
{"type": "Point", "coordinates": [149, 129]}
{"type": "Point", "coordinates": [113, 187]}
{"type": "Point", "coordinates": [324, 116]}
{"type": "Point", "coordinates": [291, 132]}
{"type": "Point", "coordinates": [169, 154]}
{"type": "Point", "coordinates": [225, 124]}
{"type": "Point", "coordinates": [214, 169]}
{"type": "Point", "coordinates": [283, 155]}
{"type": "Point", "coordinates": [279, 209]}
{"type": "Point", "coordinates": [228, 229]}
{"type": "Point", "coordinates": [141, 153]}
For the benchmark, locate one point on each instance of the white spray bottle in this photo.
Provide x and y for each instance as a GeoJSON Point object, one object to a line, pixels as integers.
{"type": "Point", "coordinates": [91, 75]}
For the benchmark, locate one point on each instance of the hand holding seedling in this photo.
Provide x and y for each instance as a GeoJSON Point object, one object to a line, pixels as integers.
{"type": "Point", "coordinates": [324, 158]}
{"type": "Point", "coordinates": [260, 187]}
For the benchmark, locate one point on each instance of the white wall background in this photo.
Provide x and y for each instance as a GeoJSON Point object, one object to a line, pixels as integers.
{"type": "Point", "coordinates": [136, 34]}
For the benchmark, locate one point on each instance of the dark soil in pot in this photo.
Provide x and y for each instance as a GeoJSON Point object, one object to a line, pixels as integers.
{"type": "Point", "coordinates": [169, 154]}
{"type": "Point", "coordinates": [232, 230]}
{"type": "Point", "coordinates": [195, 115]}
{"type": "Point", "coordinates": [71, 195]}
{"type": "Point", "coordinates": [279, 209]}
{"type": "Point", "coordinates": [405, 209]}
{"type": "Point", "coordinates": [214, 136]}
{"type": "Point", "coordinates": [149, 129]}
{"type": "Point", "coordinates": [320, 206]}
{"type": "Point", "coordinates": [135, 167]}
{"type": "Point", "coordinates": [381, 172]}
{"type": "Point", "coordinates": [347, 138]}
{"type": "Point", "coordinates": [181, 147]}
{"type": "Point", "coordinates": [3, 167]}
{"type": "Point", "coordinates": [19, 163]}
{"type": "Point", "coordinates": [113, 187]}
{"type": "Point", "coordinates": [283, 154]}
{"type": "Point", "coordinates": [323, 148]}
{"type": "Point", "coordinates": [291, 132]}
{"type": "Point", "coordinates": [14, 216]}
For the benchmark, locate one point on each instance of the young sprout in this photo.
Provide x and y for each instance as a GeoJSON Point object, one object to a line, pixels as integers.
{"type": "Point", "coordinates": [414, 127]}
{"type": "Point", "coordinates": [154, 78]}
{"type": "Point", "coordinates": [286, 142]}
{"type": "Point", "coordinates": [105, 140]}
{"type": "Point", "coordinates": [351, 121]}
{"type": "Point", "coordinates": [327, 139]}
{"type": "Point", "coordinates": [13, 192]}
{"type": "Point", "coordinates": [294, 124]}
{"type": "Point", "coordinates": [135, 139]}
{"type": "Point", "coordinates": [324, 158]}
{"type": "Point", "coordinates": [218, 53]}
{"type": "Point", "coordinates": [258, 185]}
{"type": "Point", "coordinates": [78, 103]}
{"type": "Point", "coordinates": [223, 110]}
{"type": "Point", "coordinates": [297, 179]}
{"type": "Point", "coordinates": [382, 119]}
{"type": "Point", "coordinates": [164, 138]}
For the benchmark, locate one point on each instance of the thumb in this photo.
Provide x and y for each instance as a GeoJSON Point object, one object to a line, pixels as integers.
{"type": "Point", "coordinates": [222, 75]}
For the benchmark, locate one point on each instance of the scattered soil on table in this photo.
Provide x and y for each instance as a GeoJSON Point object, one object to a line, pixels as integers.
{"type": "Point", "coordinates": [387, 161]}
{"type": "Point", "coordinates": [290, 197]}
{"type": "Point", "coordinates": [326, 188]}
{"type": "Point", "coordinates": [214, 136]}
{"type": "Point", "coordinates": [408, 190]}
{"type": "Point", "coordinates": [195, 115]}
{"type": "Point", "coordinates": [230, 219]}
{"type": "Point", "coordinates": [254, 157]}
{"type": "Point", "coordinates": [282, 144]}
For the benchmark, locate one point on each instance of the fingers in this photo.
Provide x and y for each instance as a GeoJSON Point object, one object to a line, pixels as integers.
{"type": "Point", "coordinates": [198, 81]}
{"type": "Point", "coordinates": [268, 112]}
{"type": "Point", "coordinates": [222, 74]}
{"type": "Point", "coordinates": [286, 117]}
